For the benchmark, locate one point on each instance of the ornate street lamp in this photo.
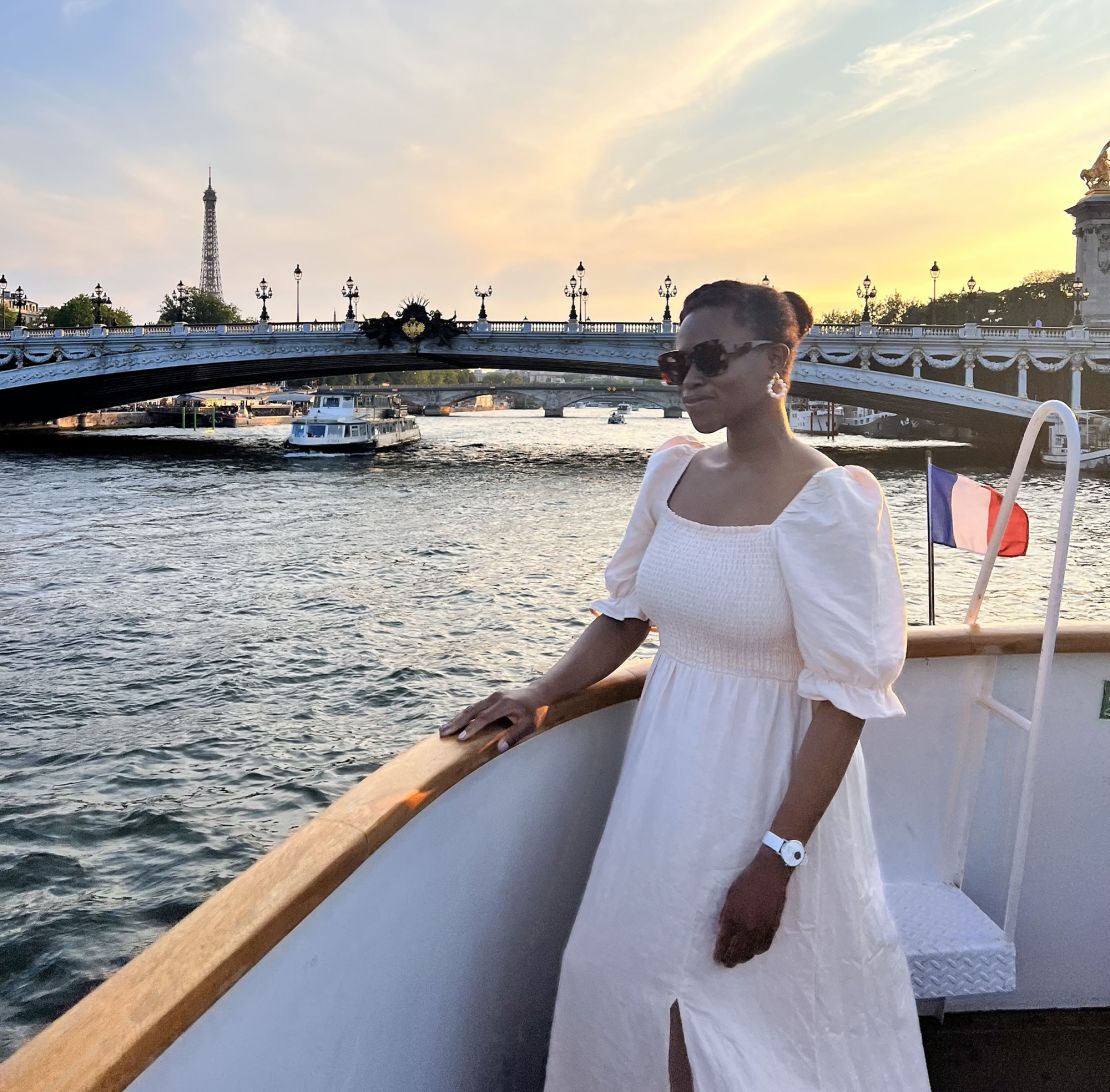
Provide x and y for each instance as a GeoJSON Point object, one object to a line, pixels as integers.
{"type": "Point", "coordinates": [571, 292]}
{"type": "Point", "coordinates": [971, 291]}
{"type": "Point", "coordinates": [19, 298]}
{"type": "Point", "coordinates": [668, 290]}
{"type": "Point", "coordinates": [264, 292]}
{"type": "Point", "coordinates": [583, 292]}
{"type": "Point", "coordinates": [766, 282]}
{"type": "Point", "coordinates": [3, 305]}
{"type": "Point", "coordinates": [297, 278]}
{"type": "Point", "coordinates": [179, 295]}
{"type": "Point", "coordinates": [99, 299]}
{"type": "Point", "coordinates": [934, 272]}
{"type": "Point", "coordinates": [1079, 296]}
{"type": "Point", "coordinates": [349, 291]}
{"type": "Point", "coordinates": [866, 292]}
{"type": "Point", "coordinates": [484, 296]}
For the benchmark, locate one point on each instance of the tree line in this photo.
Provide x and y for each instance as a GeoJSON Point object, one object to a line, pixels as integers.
{"type": "Point", "coordinates": [1043, 296]}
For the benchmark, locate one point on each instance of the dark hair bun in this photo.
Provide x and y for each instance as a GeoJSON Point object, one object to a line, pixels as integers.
{"type": "Point", "coordinates": [802, 313]}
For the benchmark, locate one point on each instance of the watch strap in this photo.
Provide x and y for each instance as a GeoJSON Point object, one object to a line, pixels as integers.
{"type": "Point", "coordinates": [773, 841]}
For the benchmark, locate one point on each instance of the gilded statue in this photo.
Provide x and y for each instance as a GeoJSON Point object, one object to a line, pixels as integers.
{"type": "Point", "coordinates": [1097, 176]}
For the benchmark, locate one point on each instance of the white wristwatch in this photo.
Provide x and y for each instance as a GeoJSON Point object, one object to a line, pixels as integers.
{"type": "Point", "coordinates": [792, 852]}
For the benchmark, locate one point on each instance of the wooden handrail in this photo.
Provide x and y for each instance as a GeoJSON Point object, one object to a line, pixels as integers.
{"type": "Point", "coordinates": [108, 1038]}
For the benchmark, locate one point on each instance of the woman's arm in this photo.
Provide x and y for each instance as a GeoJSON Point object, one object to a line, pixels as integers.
{"type": "Point", "coordinates": [818, 769]}
{"type": "Point", "coordinates": [752, 910]}
{"type": "Point", "coordinates": [603, 646]}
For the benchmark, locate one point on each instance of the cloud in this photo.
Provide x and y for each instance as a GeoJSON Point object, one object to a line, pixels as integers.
{"type": "Point", "coordinates": [912, 60]}
{"type": "Point", "coordinates": [961, 14]}
{"type": "Point", "coordinates": [913, 85]}
{"type": "Point", "coordinates": [881, 63]}
{"type": "Point", "coordinates": [74, 9]}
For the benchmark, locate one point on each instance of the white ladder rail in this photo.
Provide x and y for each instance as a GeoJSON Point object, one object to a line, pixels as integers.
{"type": "Point", "coordinates": [1034, 723]}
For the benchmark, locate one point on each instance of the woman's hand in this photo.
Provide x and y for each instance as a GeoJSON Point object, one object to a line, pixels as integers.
{"type": "Point", "coordinates": [518, 707]}
{"type": "Point", "coordinates": [752, 909]}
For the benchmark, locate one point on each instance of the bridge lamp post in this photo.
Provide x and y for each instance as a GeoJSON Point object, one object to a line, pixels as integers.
{"type": "Point", "coordinates": [484, 296]}
{"type": "Point", "coordinates": [583, 292]}
{"type": "Point", "coordinates": [349, 292]}
{"type": "Point", "coordinates": [972, 290]}
{"type": "Point", "coordinates": [264, 292]}
{"type": "Point", "coordinates": [19, 298]}
{"type": "Point", "coordinates": [867, 292]}
{"type": "Point", "coordinates": [3, 305]}
{"type": "Point", "coordinates": [934, 272]}
{"type": "Point", "coordinates": [297, 278]}
{"type": "Point", "coordinates": [668, 290]}
{"type": "Point", "coordinates": [99, 299]}
{"type": "Point", "coordinates": [1079, 295]}
{"type": "Point", "coordinates": [571, 292]}
{"type": "Point", "coordinates": [180, 294]}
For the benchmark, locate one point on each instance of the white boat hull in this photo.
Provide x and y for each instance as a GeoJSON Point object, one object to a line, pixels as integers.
{"type": "Point", "coordinates": [410, 937]}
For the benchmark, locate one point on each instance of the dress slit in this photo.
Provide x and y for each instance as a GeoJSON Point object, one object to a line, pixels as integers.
{"type": "Point", "coordinates": [679, 1069]}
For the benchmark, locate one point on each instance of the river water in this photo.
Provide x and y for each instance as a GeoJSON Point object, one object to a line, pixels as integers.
{"type": "Point", "coordinates": [205, 641]}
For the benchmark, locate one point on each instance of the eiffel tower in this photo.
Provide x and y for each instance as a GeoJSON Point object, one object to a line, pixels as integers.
{"type": "Point", "coordinates": [210, 248]}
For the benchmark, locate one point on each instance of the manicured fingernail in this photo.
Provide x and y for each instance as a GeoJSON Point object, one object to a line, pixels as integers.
{"type": "Point", "coordinates": [503, 745]}
{"type": "Point", "coordinates": [462, 735]}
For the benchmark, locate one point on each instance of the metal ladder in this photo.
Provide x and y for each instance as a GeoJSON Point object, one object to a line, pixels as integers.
{"type": "Point", "coordinates": [1033, 724]}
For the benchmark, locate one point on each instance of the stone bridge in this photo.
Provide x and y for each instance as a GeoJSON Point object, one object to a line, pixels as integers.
{"type": "Point", "coordinates": [554, 398]}
{"type": "Point", "coordinates": [989, 378]}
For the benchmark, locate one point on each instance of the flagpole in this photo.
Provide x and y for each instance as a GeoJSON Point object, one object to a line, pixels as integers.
{"type": "Point", "coordinates": [929, 525]}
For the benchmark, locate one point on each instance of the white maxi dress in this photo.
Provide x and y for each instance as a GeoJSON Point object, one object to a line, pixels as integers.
{"type": "Point", "coordinates": [754, 622]}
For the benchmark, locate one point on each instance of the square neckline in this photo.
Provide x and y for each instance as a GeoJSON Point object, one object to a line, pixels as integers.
{"type": "Point", "coordinates": [743, 526]}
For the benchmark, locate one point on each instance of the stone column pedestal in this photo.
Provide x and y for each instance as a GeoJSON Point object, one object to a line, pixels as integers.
{"type": "Point", "coordinates": [1092, 255]}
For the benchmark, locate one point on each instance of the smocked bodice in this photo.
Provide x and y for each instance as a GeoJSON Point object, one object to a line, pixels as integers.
{"type": "Point", "coordinates": [718, 598]}
{"type": "Point", "coordinates": [813, 598]}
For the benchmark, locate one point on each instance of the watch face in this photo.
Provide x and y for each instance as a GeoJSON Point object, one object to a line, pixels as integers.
{"type": "Point", "coordinates": [792, 852]}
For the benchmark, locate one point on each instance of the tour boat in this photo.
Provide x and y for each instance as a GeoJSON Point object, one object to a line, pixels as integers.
{"type": "Point", "coordinates": [810, 417]}
{"type": "Point", "coordinates": [1094, 432]}
{"type": "Point", "coordinates": [879, 424]}
{"type": "Point", "coordinates": [616, 418]}
{"type": "Point", "coordinates": [354, 421]}
{"type": "Point", "coordinates": [410, 936]}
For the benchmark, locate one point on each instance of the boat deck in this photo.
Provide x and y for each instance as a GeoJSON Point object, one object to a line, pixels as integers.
{"type": "Point", "coordinates": [1061, 1050]}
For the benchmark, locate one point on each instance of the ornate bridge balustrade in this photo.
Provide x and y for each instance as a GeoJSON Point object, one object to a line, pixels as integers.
{"type": "Point", "coordinates": [980, 377]}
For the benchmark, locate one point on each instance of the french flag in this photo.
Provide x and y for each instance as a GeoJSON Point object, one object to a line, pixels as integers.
{"type": "Point", "coordinates": [962, 513]}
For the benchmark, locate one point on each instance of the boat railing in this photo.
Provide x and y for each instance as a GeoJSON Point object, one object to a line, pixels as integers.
{"type": "Point", "coordinates": [1033, 724]}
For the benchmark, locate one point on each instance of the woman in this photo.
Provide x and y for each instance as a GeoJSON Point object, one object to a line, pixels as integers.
{"type": "Point", "coordinates": [703, 953]}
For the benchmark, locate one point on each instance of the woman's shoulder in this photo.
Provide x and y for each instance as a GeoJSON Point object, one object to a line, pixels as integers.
{"type": "Point", "coordinates": [666, 464]}
{"type": "Point", "coordinates": [677, 451]}
{"type": "Point", "coordinates": [678, 447]}
{"type": "Point", "coordinates": [843, 494]}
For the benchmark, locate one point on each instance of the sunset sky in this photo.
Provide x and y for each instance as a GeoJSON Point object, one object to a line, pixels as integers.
{"type": "Point", "coordinates": [422, 147]}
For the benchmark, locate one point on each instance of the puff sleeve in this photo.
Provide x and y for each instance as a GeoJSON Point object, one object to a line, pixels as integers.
{"type": "Point", "coordinates": [663, 470]}
{"type": "Point", "coordinates": [837, 554]}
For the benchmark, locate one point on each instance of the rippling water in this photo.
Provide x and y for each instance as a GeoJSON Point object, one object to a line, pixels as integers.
{"type": "Point", "coordinates": [205, 641]}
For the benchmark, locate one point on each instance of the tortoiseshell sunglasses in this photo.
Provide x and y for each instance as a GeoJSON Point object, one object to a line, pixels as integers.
{"type": "Point", "coordinates": [709, 357]}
